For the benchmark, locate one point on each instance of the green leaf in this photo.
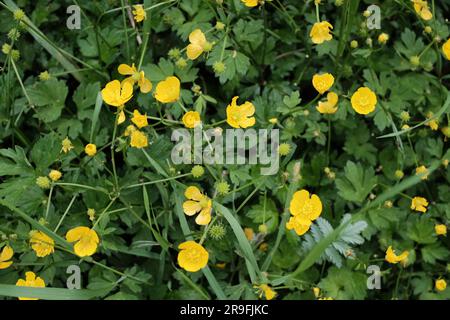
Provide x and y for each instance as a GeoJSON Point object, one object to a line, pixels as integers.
{"type": "Point", "coordinates": [52, 293]}
{"type": "Point", "coordinates": [344, 284]}
{"type": "Point", "coordinates": [434, 252]}
{"type": "Point", "coordinates": [46, 151]}
{"type": "Point", "coordinates": [357, 183]}
{"type": "Point", "coordinates": [19, 164]}
{"type": "Point", "coordinates": [244, 245]}
{"type": "Point", "coordinates": [50, 97]}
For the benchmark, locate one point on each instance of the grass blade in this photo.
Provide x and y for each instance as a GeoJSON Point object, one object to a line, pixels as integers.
{"type": "Point", "coordinates": [52, 293]}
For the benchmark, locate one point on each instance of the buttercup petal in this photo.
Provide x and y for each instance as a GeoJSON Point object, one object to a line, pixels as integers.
{"type": "Point", "coordinates": [144, 84]}
{"type": "Point", "coordinates": [191, 207]}
{"type": "Point", "coordinates": [204, 217]}
{"type": "Point", "coordinates": [197, 37]}
{"type": "Point", "coordinates": [193, 51]}
{"type": "Point", "coordinates": [316, 205]}
{"type": "Point", "coordinates": [6, 254]}
{"type": "Point", "coordinates": [298, 201]}
{"type": "Point", "coordinates": [193, 193]}
{"type": "Point", "coordinates": [126, 70]}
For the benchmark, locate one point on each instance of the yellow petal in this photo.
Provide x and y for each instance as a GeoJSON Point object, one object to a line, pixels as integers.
{"type": "Point", "coordinates": [6, 254]}
{"type": "Point", "coordinates": [247, 122]}
{"type": "Point", "coordinates": [4, 265]}
{"type": "Point", "coordinates": [168, 90]}
{"type": "Point", "coordinates": [193, 51]}
{"type": "Point", "coordinates": [204, 217]}
{"type": "Point", "coordinates": [127, 92]}
{"type": "Point", "coordinates": [298, 201]}
{"type": "Point", "coordinates": [121, 119]}
{"type": "Point", "coordinates": [125, 69]}
{"type": "Point", "coordinates": [193, 193]}
{"type": "Point", "coordinates": [111, 92]}
{"type": "Point", "coordinates": [144, 84]}
{"type": "Point", "coordinates": [76, 233]}
{"type": "Point", "coordinates": [316, 205]}
{"type": "Point", "coordinates": [197, 37]}
{"type": "Point", "coordinates": [191, 207]}
{"type": "Point", "coordinates": [247, 109]}
{"type": "Point", "coordinates": [85, 248]}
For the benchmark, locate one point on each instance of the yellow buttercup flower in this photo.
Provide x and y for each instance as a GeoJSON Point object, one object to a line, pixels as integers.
{"type": "Point", "coordinates": [116, 94]}
{"type": "Point", "coordinates": [422, 9]}
{"type": "Point", "coordinates": [250, 3]}
{"type": "Point", "coordinates": [168, 90]}
{"type": "Point", "coordinates": [240, 116]}
{"type": "Point", "coordinates": [440, 285]}
{"type": "Point", "coordinates": [197, 202]}
{"type": "Point", "coordinates": [306, 205]}
{"type": "Point", "coordinates": [320, 32]}
{"type": "Point", "coordinates": [42, 244]}
{"type": "Point", "coordinates": [5, 257]}
{"type": "Point", "coordinates": [322, 82]}
{"type": "Point", "coordinates": [90, 149]}
{"type": "Point", "coordinates": [55, 175]}
{"type": "Point", "coordinates": [191, 119]}
{"type": "Point", "coordinates": [304, 209]}
{"type": "Point", "coordinates": [329, 106]}
{"type": "Point", "coordinates": [422, 170]}
{"type": "Point", "coordinates": [135, 76]}
{"type": "Point", "coordinates": [383, 38]}
{"type": "Point", "coordinates": [391, 257]}
{"type": "Point", "coordinates": [140, 120]}
{"type": "Point", "coordinates": [138, 139]}
{"type": "Point", "coordinates": [440, 229]}
{"type": "Point", "coordinates": [364, 100]}
{"type": "Point", "coordinates": [139, 13]}
{"type": "Point", "coordinates": [30, 281]}
{"type": "Point", "coordinates": [446, 49]}
{"type": "Point", "coordinates": [192, 256]}
{"type": "Point", "coordinates": [419, 204]}
{"type": "Point", "coordinates": [66, 145]}
{"type": "Point", "coordinates": [86, 241]}
{"type": "Point", "coordinates": [266, 291]}
{"type": "Point", "coordinates": [198, 44]}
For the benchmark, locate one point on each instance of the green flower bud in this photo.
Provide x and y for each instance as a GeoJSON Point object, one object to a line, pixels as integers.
{"type": "Point", "coordinates": [43, 182]}
{"type": "Point", "coordinates": [197, 171]}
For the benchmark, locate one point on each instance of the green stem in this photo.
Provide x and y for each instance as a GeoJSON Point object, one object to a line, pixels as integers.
{"type": "Point", "coordinates": [65, 213]}
{"type": "Point", "coordinates": [80, 186]}
{"type": "Point", "coordinates": [317, 12]}
{"type": "Point", "coordinates": [205, 232]}
{"type": "Point", "coordinates": [49, 202]}
{"type": "Point", "coordinates": [124, 20]}
{"type": "Point", "coordinates": [104, 213]}
{"type": "Point", "coordinates": [113, 161]}
{"type": "Point", "coordinates": [157, 181]}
